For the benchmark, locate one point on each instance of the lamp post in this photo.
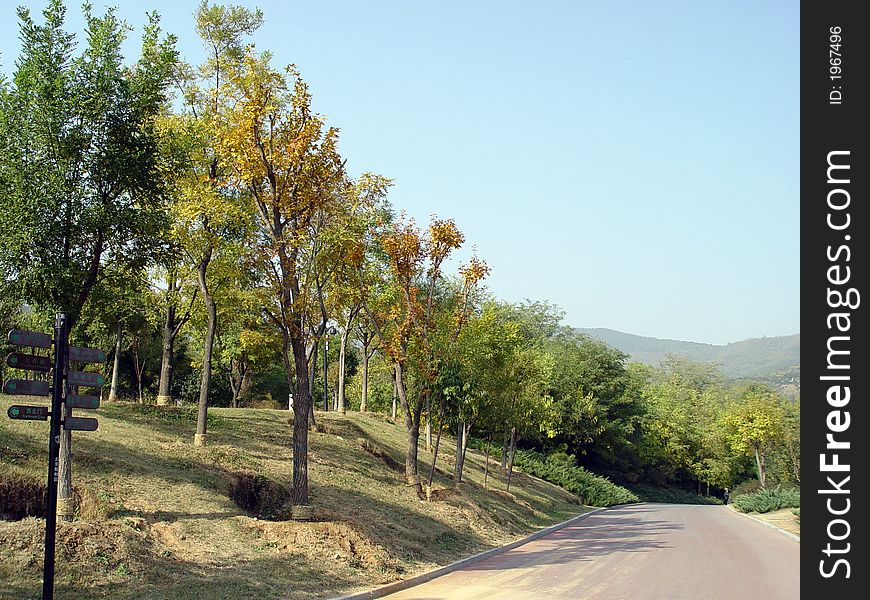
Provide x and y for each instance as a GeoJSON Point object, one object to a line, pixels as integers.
{"type": "Point", "coordinates": [330, 331]}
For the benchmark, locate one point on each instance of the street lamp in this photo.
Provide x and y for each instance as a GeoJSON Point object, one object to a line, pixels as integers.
{"type": "Point", "coordinates": [330, 331]}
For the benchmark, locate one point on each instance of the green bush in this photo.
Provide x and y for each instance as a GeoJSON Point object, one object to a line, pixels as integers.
{"type": "Point", "coordinates": [671, 495]}
{"type": "Point", "coordinates": [559, 468]}
{"type": "Point", "coordinates": [750, 486]}
{"type": "Point", "coordinates": [765, 500]}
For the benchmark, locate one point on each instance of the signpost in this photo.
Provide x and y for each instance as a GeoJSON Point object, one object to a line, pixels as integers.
{"type": "Point", "coordinates": [80, 424]}
{"type": "Point", "coordinates": [26, 387]}
{"type": "Point", "coordinates": [31, 362]}
{"type": "Point", "coordinates": [28, 413]}
{"type": "Point", "coordinates": [76, 401]}
{"type": "Point", "coordinates": [18, 337]}
{"type": "Point", "coordinates": [90, 355]}
{"type": "Point", "coordinates": [85, 379]}
{"type": "Point", "coordinates": [62, 380]}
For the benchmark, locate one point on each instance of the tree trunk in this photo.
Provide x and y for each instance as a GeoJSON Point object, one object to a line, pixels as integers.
{"type": "Point", "coordinates": [116, 366]}
{"type": "Point", "coordinates": [65, 506]}
{"type": "Point", "coordinates": [460, 433]}
{"type": "Point", "coordinates": [504, 448]}
{"type": "Point", "coordinates": [395, 393]}
{"type": "Point", "coordinates": [428, 423]}
{"type": "Point", "coordinates": [759, 461]}
{"type": "Point", "coordinates": [313, 363]}
{"type": "Point", "coordinates": [364, 401]}
{"type": "Point", "coordinates": [342, 351]}
{"type": "Point", "coordinates": [138, 368]}
{"type": "Point", "coordinates": [511, 457]}
{"type": "Point", "coordinates": [302, 403]}
{"type": "Point", "coordinates": [486, 468]}
{"type": "Point", "coordinates": [412, 424]}
{"type": "Point", "coordinates": [325, 375]}
{"type": "Point", "coordinates": [164, 395]}
{"type": "Point", "coordinates": [238, 375]}
{"type": "Point", "coordinates": [208, 345]}
{"type": "Point", "coordinates": [435, 453]}
{"type": "Point", "coordinates": [465, 435]}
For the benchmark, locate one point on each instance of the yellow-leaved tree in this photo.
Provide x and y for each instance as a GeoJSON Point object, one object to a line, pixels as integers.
{"type": "Point", "coordinates": [284, 157]}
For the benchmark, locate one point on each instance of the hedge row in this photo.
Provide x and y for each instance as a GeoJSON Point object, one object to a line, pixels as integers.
{"type": "Point", "coordinates": [764, 500]}
{"type": "Point", "coordinates": [559, 468]}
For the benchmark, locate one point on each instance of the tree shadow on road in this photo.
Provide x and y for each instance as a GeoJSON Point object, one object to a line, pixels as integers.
{"type": "Point", "coordinates": [594, 536]}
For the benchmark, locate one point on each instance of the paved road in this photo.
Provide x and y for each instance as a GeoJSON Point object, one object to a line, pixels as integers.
{"type": "Point", "coordinates": [641, 552]}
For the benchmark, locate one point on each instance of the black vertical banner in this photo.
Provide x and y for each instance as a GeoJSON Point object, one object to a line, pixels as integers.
{"type": "Point", "coordinates": [835, 225]}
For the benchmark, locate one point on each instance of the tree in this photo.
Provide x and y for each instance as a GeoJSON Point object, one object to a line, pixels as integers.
{"type": "Point", "coordinates": [288, 163]}
{"type": "Point", "coordinates": [210, 220]}
{"type": "Point", "coordinates": [173, 322]}
{"type": "Point", "coordinates": [79, 164]}
{"type": "Point", "coordinates": [402, 312]}
{"type": "Point", "coordinates": [755, 425]}
{"type": "Point", "coordinates": [80, 158]}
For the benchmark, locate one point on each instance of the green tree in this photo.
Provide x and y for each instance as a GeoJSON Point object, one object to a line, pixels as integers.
{"type": "Point", "coordinates": [210, 220]}
{"type": "Point", "coordinates": [79, 164]}
{"type": "Point", "coordinates": [755, 424]}
{"type": "Point", "coordinates": [79, 160]}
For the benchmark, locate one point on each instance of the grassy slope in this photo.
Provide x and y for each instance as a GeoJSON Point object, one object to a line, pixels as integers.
{"type": "Point", "coordinates": [159, 522]}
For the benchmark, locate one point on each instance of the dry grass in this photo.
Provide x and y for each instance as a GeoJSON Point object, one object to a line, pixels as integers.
{"type": "Point", "coordinates": [783, 518]}
{"type": "Point", "coordinates": [156, 518]}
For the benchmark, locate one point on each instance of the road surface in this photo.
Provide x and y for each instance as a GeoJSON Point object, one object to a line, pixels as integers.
{"type": "Point", "coordinates": [639, 552]}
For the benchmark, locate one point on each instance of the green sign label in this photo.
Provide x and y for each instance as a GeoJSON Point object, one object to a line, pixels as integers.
{"type": "Point", "coordinates": [80, 424]}
{"type": "Point", "coordinates": [26, 387]}
{"type": "Point", "coordinates": [91, 355]}
{"type": "Point", "coordinates": [21, 337]}
{"type": "Point", "coordinates": [28, 413]}
{"type": "Point", "coordinates": [85, 379]}
{"type": "Point", "coordinates": [29, 362]}
{"type": "Point", "coordinates": [76, 401]}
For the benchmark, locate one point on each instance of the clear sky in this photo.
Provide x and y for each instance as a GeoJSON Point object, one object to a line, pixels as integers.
{"type": "Point", "coordinates": [635, 163]}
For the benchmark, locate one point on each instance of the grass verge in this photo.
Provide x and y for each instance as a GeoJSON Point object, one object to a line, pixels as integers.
{"type": "Point", "coordinates": [161, 518]}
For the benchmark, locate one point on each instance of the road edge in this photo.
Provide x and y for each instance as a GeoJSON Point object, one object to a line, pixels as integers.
{"type": "Point", "coordinates": [796, 538]}
{"type": "Point", "coordinates": [398, 586]}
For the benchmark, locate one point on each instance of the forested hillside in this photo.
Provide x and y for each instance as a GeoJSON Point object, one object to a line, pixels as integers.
{"type": "Point", "coordinates": [753, 358]}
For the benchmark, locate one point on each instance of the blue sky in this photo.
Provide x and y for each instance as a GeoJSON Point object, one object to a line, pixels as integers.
{"type": "Point", "coordinates": [635, 163]}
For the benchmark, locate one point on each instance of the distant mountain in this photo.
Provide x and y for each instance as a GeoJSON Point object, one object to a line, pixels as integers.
{"type": "Point", "coordinates": [775, 359]}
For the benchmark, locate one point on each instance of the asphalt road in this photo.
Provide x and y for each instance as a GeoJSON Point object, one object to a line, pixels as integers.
{"type": "Point", "coordinates": [647, 551]}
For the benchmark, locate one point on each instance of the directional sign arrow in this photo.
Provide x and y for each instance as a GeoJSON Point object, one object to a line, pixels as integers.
{"type": "Point", "coordinates": [85, 379]}
{"type": "Point", "coordinates": [28, 413]}
{"type": "Point", "coordinates": [30, 362]}
{"type": "Point", "coordinates": [80, 424]}
{"type": "Point", "coordinates": [21, 337]}
{"type": "Point", "coordinates": [91, 355]}
{"type": "Point", "coordinates": [76, 401]}
{"type": "Point", "coordinates": [26, 387]}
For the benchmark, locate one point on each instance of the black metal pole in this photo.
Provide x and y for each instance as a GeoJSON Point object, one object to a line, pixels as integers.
{"type": "Point", "coordinates": [60, 349]}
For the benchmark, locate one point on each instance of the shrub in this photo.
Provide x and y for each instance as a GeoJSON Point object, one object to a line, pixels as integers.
{"type": "Point", "coordinates": [750, 486]}
{"type": "Point", "coordinates": [671, 495]}
{"type": "Point", "coordinates": [765, 500]}
{"type": "Point", "coordinates": [559, 468]}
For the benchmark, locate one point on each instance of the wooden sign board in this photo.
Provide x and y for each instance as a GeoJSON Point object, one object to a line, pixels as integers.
{"type": "Point", "coordinates": [26, 387]}
{"type": "Point", "coordinates": [21, 337]}
{"type": "Point", "coordinates": [28, 413]}
{"type": "Point", "coordinates": [85, 379]}
{"type": "Point", "coordinates": [88, 402]}
{"type": "Point", "coordinates": [30, 362]}
{"type": "Point", "coordinates": [91, 355]}
{"type": "Point", "coordinates": [80, 424]}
